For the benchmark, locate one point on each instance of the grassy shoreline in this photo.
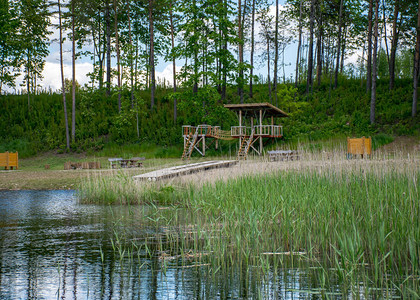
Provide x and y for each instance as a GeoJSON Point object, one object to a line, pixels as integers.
{"type": "Point", "coordinates": [33, 175]}
{"type": "Point", "coordinates": [348, 222]}
{"type": "Point", "coordinates": [354, 221]}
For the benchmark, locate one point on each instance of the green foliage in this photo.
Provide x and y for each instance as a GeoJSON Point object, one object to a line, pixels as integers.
{"type": "Point", "coordinates": [123, 122]}
{"type": "Point", "coordinates": [9, 44]}
{"type": "Point", "coordinates": [289, 101]}
{"type": "Point", "coordinates": [203, 107]}
{"type": "Point", "coordinates": [380, 140]}
{"type": "Point", "coordinates": [326, 114]}
{"type": "Point", "coordinates": [35, 21]}
{"type": "Point", "coordinates": [20, 145]}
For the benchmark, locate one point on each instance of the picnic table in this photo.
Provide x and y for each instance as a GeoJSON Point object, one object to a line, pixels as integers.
{"type": "Point", "coordinates": [135, 162]}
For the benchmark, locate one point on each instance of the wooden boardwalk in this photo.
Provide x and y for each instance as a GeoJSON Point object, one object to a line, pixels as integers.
{"type": "Point", "coordinates": [184, 170]}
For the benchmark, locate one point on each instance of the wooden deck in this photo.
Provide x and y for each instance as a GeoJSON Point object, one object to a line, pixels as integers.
{"type": "Point", "coordinates": [184, 170]}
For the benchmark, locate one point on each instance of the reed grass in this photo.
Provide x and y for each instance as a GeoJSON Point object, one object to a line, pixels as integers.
{"type": "Point", "coordinates": [349, 222]}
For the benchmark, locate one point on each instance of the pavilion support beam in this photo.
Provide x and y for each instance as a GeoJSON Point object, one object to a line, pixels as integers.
{"type": "Point", "coordinates": [240, 129]}
{"type": "Point", "coordinates": [272, 126]}
{"type": "Point", "coordinates": [261, 141]}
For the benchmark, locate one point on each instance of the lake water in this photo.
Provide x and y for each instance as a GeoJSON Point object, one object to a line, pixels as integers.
{"type": "Point", "coordinates": [52, 247]}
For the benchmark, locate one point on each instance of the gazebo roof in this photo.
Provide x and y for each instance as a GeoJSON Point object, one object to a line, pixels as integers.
{"type": "Point", "coordinates": [268, 109]}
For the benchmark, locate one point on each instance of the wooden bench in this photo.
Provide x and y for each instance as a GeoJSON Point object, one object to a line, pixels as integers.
{"type": "Point", "coordinates": [9, 160]}
{"type": "Point", "coordinates": [280, 155]}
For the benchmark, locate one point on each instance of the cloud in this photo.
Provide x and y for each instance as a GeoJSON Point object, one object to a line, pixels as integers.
{"type": "Point", "coordinates": [52, 74]}
{"type": "Point", "coordinates": [167, 75]}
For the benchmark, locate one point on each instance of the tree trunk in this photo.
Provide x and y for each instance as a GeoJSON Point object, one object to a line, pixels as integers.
{"type": "Point", "coordinates": [385, 31]}
{"type": "Point", "coordinates": [63, 89]}
{"type": "Point", "coordinates": [108, 49]}
{"type": "Point", "coordinates": [224, 69]}
{"type": "Point", "coordinates": [241, 54]}
{"type": "Point", "coordinates": [152, 57]}
{"type": "Point", "coordinates": [73, 88]}
{"type": "Point", "coordinates": [416, 71]}
{"type": "Point", "coordinates": [252, 49]}
{"type": "Point", "coordinates": [276, 51]}
{"type": "Point", "coordinates": [28, 84]}
{"type": "Point", "coordinates": [343, 48]}
{"type": "Point", "coordinates": [394, 44]}
{"type": "Point", "coordinates": [309, 80]}
{"type": "Point", "coordinates": [225, 49]}
{"type": "Point", "coordinates": [268, 71]}
{"type": "Point", "coordinates": [100, 56]}
{"type": "Point", "coordinates": [362, 65]}
{"type": "Point", "coordinates": [117, 47]}
{"type": "Point", "coordinates": [369, 50]}
{"type": "Point", "coordinates": [173, 60]}
{"type": "Point", "coordinates": [319, 50]}
{"type": "Point", "coordinates": [299, 43]}
{"type": "Point", "coordinates": [130, 40]}
{"type": "Point", "coordinates": [340, 25]}
{"type": "Point", "coordinates": [374, 65]}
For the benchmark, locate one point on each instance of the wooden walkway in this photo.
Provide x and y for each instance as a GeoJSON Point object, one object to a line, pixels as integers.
{"type": "Point", "coordinates": [184, 170]}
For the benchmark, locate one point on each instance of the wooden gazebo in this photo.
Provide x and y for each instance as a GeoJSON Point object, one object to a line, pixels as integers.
{"type": "Point", "coordinates": [251, 129]}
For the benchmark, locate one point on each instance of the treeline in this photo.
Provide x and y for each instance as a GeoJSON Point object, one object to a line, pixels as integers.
{"type": "Point", "coordinates": [219, 44]}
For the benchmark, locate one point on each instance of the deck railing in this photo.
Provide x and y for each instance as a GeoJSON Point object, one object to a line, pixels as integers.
{"type": "Point", "coordinates": [235, 131]}
{"type": "Point", "coordinates": [240, 131]}
{"type": "Point", "coordinates": [203, 130]}
{"type": "Point", "coordinates": [269, 130]}
{"type": "Point", "coordinates": [260, 130]}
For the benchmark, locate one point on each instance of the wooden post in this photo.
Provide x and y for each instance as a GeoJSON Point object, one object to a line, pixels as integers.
{"type": "Point", "coordinates": [261, 141]}
{"type": "Point", "coordinates": [363, 147]}
{"type": "Point", "coordinates": [240, 129]}
{"type": "Point", "coordinates": [204, 145]}
{"type": "Point", "coordinates": [272, 126]}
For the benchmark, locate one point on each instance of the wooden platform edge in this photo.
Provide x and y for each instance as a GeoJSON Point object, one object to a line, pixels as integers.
{"type": "Point", "coordinates": [184, 170]}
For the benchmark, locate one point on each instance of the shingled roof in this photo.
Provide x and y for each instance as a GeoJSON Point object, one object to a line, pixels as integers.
{"type": "Point", "coordinates": [269, 109]}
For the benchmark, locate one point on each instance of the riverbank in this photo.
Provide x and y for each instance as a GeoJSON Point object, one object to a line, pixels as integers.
{"type": "Point", "coordinates": [349, 222]}
{"type": "Point", "coordinates": [32, 174]}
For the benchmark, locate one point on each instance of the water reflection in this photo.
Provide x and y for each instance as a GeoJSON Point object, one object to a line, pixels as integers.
{"type": "Point", "coordinates": [51, 247]}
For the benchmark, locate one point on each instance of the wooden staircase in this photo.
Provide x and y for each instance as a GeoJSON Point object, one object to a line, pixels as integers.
{"type": "Point", "coordinates": [245, 146]}
{"type": "Point", "coordinates": [189, 145]}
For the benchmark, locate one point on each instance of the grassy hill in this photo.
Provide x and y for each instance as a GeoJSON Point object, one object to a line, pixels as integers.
{"type": "Point", "coordinates": [326, 113]}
